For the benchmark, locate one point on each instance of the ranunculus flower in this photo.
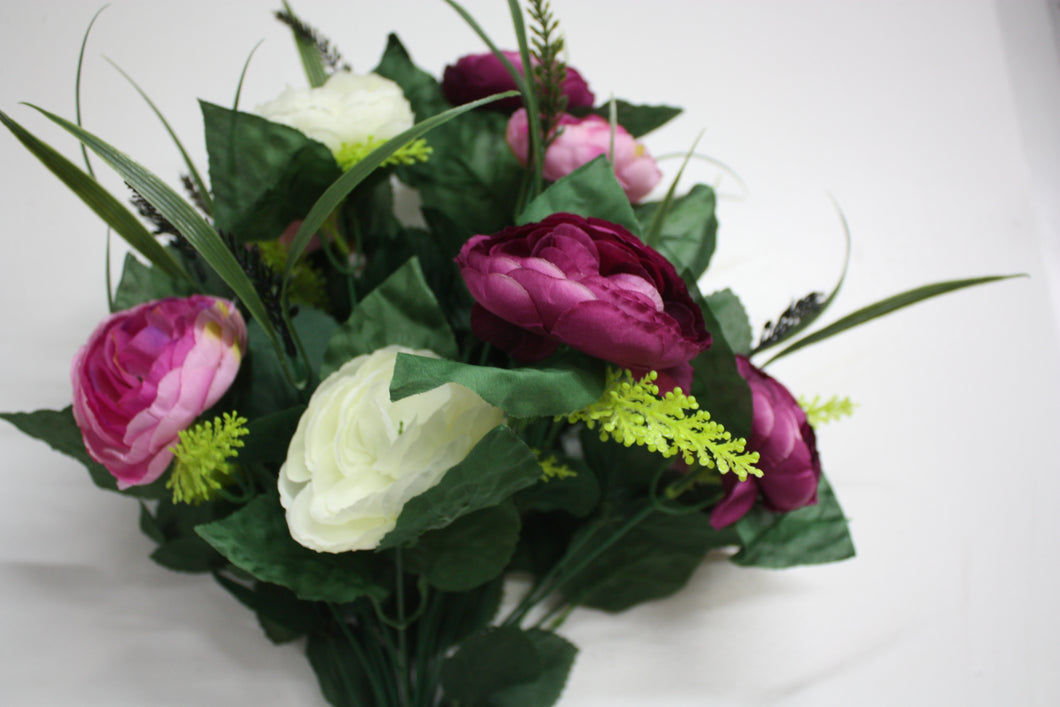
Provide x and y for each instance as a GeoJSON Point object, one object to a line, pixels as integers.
{"type": "Point", "coordinates": [146, 373]}
{"type": "Point", "coordinates": [349, 109]}
{"type": "Point", "coordinates": [787, 448]}
{"type": "Point", "coordinates": [587, 283]}
{"type": "Point", "coordinates": [356, 457]}
{"type": "Point", "coordinates": [476, 76]}
{"type": "Point", "coordinates": [582, 140]}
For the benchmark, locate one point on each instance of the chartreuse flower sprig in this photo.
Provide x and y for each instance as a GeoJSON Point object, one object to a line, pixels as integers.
{"type": "Point", "coordinates": [415, 151]}
{"type": "Point", "coordinates": [632, 412]}
{"type": "Point", "coordinates": [203, 457]}
{"type": "Point", "coordinates": [818, 413]}
{"type": "Point", "coordinates": [552, 468]}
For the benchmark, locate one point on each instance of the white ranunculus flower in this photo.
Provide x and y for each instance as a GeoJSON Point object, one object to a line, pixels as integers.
{"type": "Point", "coordinates": [349, 109]}
{"type": "Point", "coordinates": [357, 458]}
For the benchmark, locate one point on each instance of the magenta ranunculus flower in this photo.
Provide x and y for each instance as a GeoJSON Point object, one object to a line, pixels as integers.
{"type": "Point", "coordinates": [582, 140]}
{"type": "Point", "coordinates": [146, 373]}
{"type": "Point", "coordinates": [788, 453]}
{"type": "Point", "coordinates": [586, 283]}
{"type": "Point", "coordinates": [476, 76]}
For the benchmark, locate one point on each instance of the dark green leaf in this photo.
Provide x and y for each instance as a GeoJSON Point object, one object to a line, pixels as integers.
{"type": "Point", "coordinates": [591, 191]}
{"type": "Point", "coordinates": [489, 662]}
{"type": "Point", "coordinates": [639, 120]}
{"type": "Point", "coordinates": [142, 283]}
{"type": "Point", "coordinates": [99, 200]}
{"type": "Point", "coordinates": [264, 175]}
{"type": "Point", "coordinates": [732, 317]}
{"type": "Point", "coordinates": [498, 466]}
{"type": "Point", "coordinates": [268, 437]}
{"type": "Point", "coordinates": [653, 560]}
{"type": "Point", "coordinates": [577, 495]}
{"type": "Point", "coordinates": [187, 554]}
{"type": "Point", "coordinates": [402, 310]}
{"type": "Point", "coordinates": [886, 306]}
{"type": "Point", "coordinates": [688, 230]}
{"type": "Point", "coordinates": [345, 680]}
{"type": "Point", "coordinates": [557, 656]}
{"type": "Point", "coordinates": [566, 385]}
{"type": "Point", "coordinates": [256, 539]}
{"type": "Point", "coordinates": [468, 552]}
{"type": "Point", "coordinates": [283, 616]}
{"type": "Point", "coordinates": [716, 382]}
{"type": "Point", "coordinates": [807, 536]}
{"type": "Point", "coordinates": [149, 526]}
{"type": "Point", "coordinates": [59, 431]}
{"type": "Point", "coordinates": [420, 88]}
{"type": "Point", "coordinates": [261, 388]}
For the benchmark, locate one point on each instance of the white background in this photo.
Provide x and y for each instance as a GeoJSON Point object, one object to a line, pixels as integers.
{"type": "Point", "coordinates": [933, 123]}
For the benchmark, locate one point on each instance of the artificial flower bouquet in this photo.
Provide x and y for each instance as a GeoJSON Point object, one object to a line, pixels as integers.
{"type": "Point", "coordinates": [364, 426]}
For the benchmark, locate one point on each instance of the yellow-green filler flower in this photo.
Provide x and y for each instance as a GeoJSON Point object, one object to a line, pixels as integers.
{"type": "Point", "coordinates": [632, 412]}
{"type": "Point", "coordinates": [202, 458]}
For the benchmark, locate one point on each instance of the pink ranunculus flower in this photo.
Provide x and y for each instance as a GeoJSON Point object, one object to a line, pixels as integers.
{"type": "Point", "coordinates": [146, 373]}
{"type": "Point", "coordinates": [582, 140]}
{"type": "Point", "coordinates": [787, 449]}
{"type": "Point", "coordinates": [476, 76]}
{"type": "Point", "coordinates": [586, 283]}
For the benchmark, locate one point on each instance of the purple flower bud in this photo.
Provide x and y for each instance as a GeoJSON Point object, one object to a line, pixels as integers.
{"type": "Point", "coordinates": [586, 283]}
{"type": "Point", "coordinates": [787, 449]}
{"type": "Point", "coordinates": [476, 76]}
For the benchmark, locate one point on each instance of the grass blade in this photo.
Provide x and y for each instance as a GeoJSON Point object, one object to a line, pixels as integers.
{"type": "Point", "coordinates": [77, 86]}
{"type": "Point", "coordinates": [526, 90]}
{"type": "Point", "coordinates": [812, 317]}
{"type": "Point", "coordinates": [105, 205]}
{"type": "Point", "coordinates": [195, 229]}
{"type": "Point", "coordinates": [243, 75]}
{"type": "Point", "coordinates": [651, 238]}
{"type": "Point", "coordinates": [312, 62]}
{"type": "Point", "coordinates": [200, 185]}
{"type": "Point", "coordinates": [886, 306]}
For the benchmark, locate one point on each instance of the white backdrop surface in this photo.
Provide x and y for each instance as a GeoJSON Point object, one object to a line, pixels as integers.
{"type": "Point", "coordinates": [932, 123]}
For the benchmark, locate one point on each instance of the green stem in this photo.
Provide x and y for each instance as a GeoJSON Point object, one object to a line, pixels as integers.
{"type": "Point", "coordinates": [404, 678]}
{"type": "Point", "coordinates": [358, 651]}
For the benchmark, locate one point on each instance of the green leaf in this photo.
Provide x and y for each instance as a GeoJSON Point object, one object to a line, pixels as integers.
{"type": "Point", "coordinates": [402, 310]}
{"type": "Point", "coordinates": [639, 120]}
{"type": "Point", "coordinates": [184, 217]}
{"type": "Point", "coordinates": [716, 382]}
{"type": "Point", "coordinates": [256, 539]}
{"type": "Point", "coordinates": [468, 552]}
{"type": "Point", "coordinates": [422, 90]}
{"type": "Point", "coordinates": [732, 317]}
{"type": "Point", "coordinates": [187, 554]}
{"type": "Point", "coordinates": [591, 191]}
{"type": "Point", "coordinates": [653, 560]}
{"type": "Point", "coordinates": [95, 197]}
{"type": "Point", "coordinates": [577, 495]}
{"type": "Point", "coordinates": [886, 306]}
{"type": "Point", "coordinates": [59, 431]}
{"type": "Point", "coordinates": [261, 388]}
{"type": "Point", "coordinates": [498, 466]}
{"type": "Point", "coordinates": [282, 615]}
{"type": "Point", "coordinates": [268, 437]}
{"type": "Point", "coordinates": [566, 385]}
{"type": "Point", "coordinates": [688, 230]}
{"type": "Point", "coordinates": [149, 526]}
{"type": "Point", "coordinates": [264, 175]}
{"type": "Point", "coordinates": [557, 657]}
{"type": "Point", "coordinates": [488, 663]}
{"type": "Point", "coordinates": [811, 535]}
{"type": "Point", "coordinates": [472, 178]}
{"type": "Point", "coordinates": [142, 283]}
